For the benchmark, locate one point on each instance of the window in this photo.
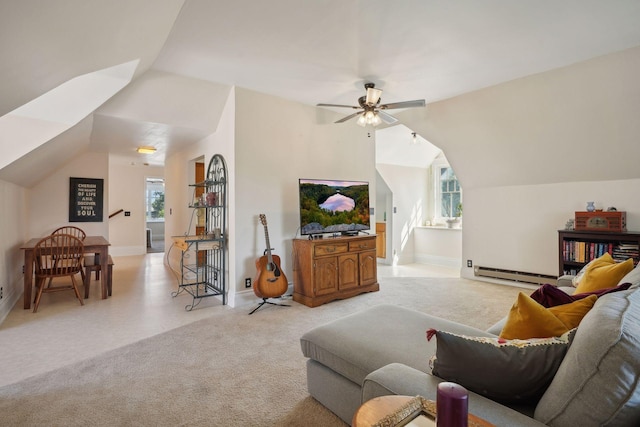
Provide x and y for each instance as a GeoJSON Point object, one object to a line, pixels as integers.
{"type": "Point", "coordinates": [447, 191]}
{"type": "Point", "coordinates": [155, 199]}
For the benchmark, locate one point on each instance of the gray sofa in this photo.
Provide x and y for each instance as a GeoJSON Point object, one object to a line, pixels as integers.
{"type": "Point", "coordinates": [383, 351]}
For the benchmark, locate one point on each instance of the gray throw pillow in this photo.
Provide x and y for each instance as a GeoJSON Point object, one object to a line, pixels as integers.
{"type": "Point", "coordinates": [504, 370]}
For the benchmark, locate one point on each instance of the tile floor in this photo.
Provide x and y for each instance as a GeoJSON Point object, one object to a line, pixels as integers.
{"type": "Point", "coordinates": [63, 332]}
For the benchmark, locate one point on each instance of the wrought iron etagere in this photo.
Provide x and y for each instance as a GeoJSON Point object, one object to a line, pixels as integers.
{"type": "Point", "coordinates": [203, 259]}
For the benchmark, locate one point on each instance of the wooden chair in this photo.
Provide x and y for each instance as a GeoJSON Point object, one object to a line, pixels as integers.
{"type": "Point", "coordinates": [91, 264]}
{"type": "Point", "coordinates": [70, 229]}
{"type": "Point", "coordinates": [73, 231]}
{"type": "Point", "coordinates": [57, 255]}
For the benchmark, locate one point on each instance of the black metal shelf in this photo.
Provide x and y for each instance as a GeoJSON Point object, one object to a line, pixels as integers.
{"type": "Point", "coordinates": [204, 256]}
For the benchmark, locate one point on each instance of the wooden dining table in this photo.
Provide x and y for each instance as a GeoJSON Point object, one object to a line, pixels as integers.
{"type": "Point", "coordinates": [92, 244]}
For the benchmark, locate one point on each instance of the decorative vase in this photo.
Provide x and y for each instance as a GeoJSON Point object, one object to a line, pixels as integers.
{"type": "Point", "coordinates": [590, 207]}
{"type": "Point", "coordinates": [212, 199]}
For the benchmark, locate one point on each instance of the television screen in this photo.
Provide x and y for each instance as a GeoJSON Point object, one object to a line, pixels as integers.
{"type": "Point", "coordinates": [331, 206]}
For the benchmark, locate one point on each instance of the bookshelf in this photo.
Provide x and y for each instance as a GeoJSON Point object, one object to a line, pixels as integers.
{"type": "Point", "coordinates": [577, 247]}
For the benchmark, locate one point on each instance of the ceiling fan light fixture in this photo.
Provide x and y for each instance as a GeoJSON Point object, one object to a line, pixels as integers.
{"type": "Point", "coordinates": [371, 112]}
{"type": "Point", "coordinates": [373, 96]}
{"type": "Point", "coordinates": [369, 117]}
{"type": "Point", "coordinates": [146, 150]}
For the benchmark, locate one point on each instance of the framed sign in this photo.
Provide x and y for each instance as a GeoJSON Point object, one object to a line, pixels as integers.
{"type": "Point", "coordinates": [85, 199]}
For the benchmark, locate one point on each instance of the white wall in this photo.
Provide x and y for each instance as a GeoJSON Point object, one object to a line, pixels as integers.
{"type": "Point", "coordinates": [517, 227]}
{"type": "Point", "coordinates": [49, 199]}
{"type": "Point", "coordinates": [127, 185]}
{"type": "Point", "coordinates": [409, 188]}
{"type": "Point", "coordinates": [531, 152]}
{"type": "Point", "coordinates": [277, 142]}
{"type": "Point", "coordinates": [438, 246]}
{"type": "Point", "coordinates": [13, 233]}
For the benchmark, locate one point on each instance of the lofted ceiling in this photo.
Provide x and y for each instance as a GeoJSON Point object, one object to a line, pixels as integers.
{"type": "Point", "coordinates": [192, 52]}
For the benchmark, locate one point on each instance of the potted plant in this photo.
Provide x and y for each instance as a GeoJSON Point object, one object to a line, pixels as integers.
{"type": "Point", "coordinates": [457, 218]}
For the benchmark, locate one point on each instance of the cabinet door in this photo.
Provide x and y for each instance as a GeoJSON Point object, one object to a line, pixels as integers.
{"type": "Point", "coordinates": [368, 268]}
{"type": "Point", "coordinates": [325, 276]}
{"type": "Point", "coordinates": [348, 271]}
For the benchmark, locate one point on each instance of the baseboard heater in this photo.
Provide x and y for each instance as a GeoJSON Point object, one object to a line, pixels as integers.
{"type": "Point", "coordinates": [514, 276]}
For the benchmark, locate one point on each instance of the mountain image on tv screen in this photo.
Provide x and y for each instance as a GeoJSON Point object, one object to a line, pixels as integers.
{"type": "Point", "coordinates": [329, 206]}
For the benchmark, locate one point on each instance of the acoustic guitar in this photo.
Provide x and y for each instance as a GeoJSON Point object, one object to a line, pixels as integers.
{"type": "Point", "coordinates": [270, 281]}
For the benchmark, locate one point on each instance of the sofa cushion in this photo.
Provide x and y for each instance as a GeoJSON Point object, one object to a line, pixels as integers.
{"type": "Point", "coordinates": [603, 273]}
{"type": "Point", "coordinates": [528, 319]}
{"type": "Point", "coordinates": [360, 343]}
{"type": "Point", "coordinates": [550, 296]}
{"type": "Point", "coordinates": [598, 381]}
{"type": "Point", "coordinates": [632, 277]}
{"type": "Point", "coordinates": [488, 366]}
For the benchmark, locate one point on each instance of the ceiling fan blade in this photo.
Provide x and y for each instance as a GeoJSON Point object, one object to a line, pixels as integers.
{"type": "Point", "coordinates": [373, 96]}
{"type": "Point", "coordinates": [387, 118]}
{"type": "Point", "coordinates": [350, 116]}
{"type": "Point", "coordinates": [336, 105]}
{"type": "Point", "coordinates": [404, 104]}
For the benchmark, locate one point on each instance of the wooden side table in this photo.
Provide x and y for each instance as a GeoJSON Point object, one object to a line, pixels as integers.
{"type": "Point", "coordinates": [374, 410]}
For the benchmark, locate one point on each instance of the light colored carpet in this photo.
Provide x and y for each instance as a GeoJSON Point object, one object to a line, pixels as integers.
{"type": "Point", "coordinates": [230, 369]}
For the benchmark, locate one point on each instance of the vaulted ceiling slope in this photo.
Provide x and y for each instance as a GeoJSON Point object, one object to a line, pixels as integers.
{"type": "Point", "coordinates": [191, 52]}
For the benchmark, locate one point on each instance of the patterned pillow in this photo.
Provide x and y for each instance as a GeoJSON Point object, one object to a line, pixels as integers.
{"type": "Point", "coordinates": [503, 370]}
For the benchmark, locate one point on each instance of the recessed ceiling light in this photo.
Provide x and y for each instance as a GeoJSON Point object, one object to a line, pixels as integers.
{"type": "Point", "coordinates": [146, 150]}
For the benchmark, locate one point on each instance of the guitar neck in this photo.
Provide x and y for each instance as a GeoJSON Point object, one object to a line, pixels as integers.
{"type": "Point", "coordinates": [266, 238]}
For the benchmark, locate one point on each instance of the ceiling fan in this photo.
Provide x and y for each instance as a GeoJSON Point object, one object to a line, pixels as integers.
{"type": "Point", "coordinates": [372, 111]}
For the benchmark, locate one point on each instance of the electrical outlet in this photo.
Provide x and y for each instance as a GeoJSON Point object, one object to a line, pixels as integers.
{"type": "Point", "coordinates": [127, 213]}
{"type": "Point", "coordinates": [247, 282]}
{"type": "Point", "coordinates": [1, 292]}
{"type": "Point", "coordinates": [469, 263]}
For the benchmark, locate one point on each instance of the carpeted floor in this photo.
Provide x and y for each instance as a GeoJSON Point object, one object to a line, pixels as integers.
{"type": "Point", "coordinates": [230, 369]}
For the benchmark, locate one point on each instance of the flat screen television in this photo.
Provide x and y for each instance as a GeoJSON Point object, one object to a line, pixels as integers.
{"type": "Point", "coordinates": [332, 206]}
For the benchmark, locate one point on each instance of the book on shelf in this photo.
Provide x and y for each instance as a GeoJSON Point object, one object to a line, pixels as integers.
{"type": "Point", "coordinates": [583, 252]}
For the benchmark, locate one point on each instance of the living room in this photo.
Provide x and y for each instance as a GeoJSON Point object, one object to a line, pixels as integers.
{"type": "Point", "coordinates": [529, 151]}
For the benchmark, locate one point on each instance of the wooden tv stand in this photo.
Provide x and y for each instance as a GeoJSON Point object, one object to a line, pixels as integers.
{"type": "Point", "coordinates": [333, 268]}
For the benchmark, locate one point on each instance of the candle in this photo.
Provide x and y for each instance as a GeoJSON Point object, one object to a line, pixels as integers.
{"type": "Point", "coordinates": [452, 405]}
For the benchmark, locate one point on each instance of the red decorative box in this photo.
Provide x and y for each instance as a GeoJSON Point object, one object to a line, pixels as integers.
{"type": "Point", "coordinates": [601, 221]}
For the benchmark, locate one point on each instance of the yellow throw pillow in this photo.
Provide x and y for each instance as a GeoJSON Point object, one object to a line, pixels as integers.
{"type": "Point", "coordinates": [529, 319]}
{"type": "Point", "coordinates": [602, 275]}
{"type": "Point", "coordinates": [571, 314]}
